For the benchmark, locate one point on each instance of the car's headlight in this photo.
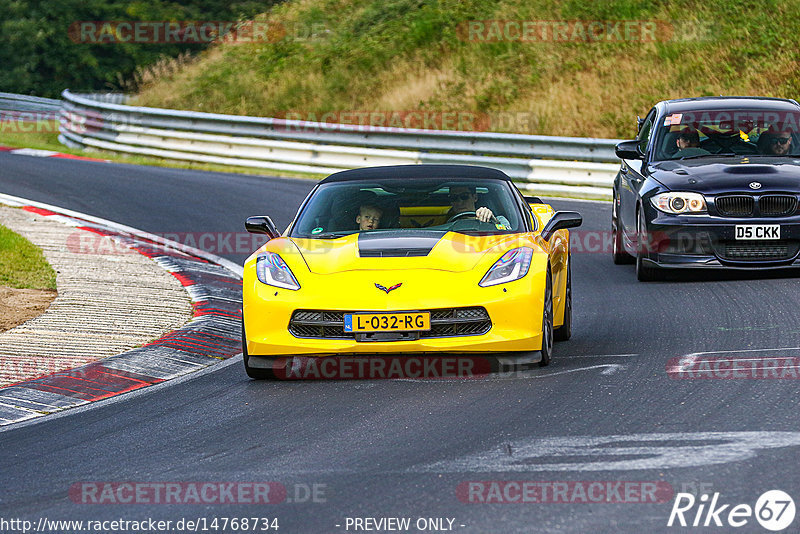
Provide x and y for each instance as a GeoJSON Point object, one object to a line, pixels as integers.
{"type": "Point", "coordinates": [273, 271]}
{"type": "Point", "coordinates": [513, 265]}
{"type": "Point", "coordinates": [677, 202]}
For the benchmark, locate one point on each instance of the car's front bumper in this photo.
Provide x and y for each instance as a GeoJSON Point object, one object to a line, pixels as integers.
{"type": "Point", "coordinates": [514, 309]}
{"type": "Point", "coordinates": [705, 241]}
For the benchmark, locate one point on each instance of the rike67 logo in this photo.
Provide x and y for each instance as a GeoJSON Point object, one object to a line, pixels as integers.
{"type": "Point", "coordinates": [774, 510]}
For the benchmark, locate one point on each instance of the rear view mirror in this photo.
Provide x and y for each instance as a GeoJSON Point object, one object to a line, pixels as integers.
{"type": "Point", "coordinates": [262, 225]}
{"type": "Point", "coordinates": [561, 220]}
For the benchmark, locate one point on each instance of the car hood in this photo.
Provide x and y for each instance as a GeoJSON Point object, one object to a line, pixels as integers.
{"type": "Point", "coordinates": [722, 175]}
{"type": "Point", "coordinates": [382, 251]}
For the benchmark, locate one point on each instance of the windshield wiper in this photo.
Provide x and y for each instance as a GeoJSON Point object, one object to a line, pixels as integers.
{"type": "Point", "coordinates": [794, 156]}
{"type": "Point", "coordinates": [330, 235]}
{"type": "Point", "coordinates": [726, 155]}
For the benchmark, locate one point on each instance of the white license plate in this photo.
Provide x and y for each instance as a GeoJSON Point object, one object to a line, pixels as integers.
{"type": "Point", "coordinates": [758, 231]}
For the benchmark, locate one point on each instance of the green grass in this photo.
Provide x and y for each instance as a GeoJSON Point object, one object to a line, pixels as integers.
{"type": "Point", "coordinates": [46, 140]}
{"type": "Point", "coordinates": [393, 55]}
{"type": "Point", "coordinates": [22, 264]}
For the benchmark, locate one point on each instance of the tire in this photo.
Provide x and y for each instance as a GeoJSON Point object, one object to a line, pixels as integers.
{"type": "Point", "coordinates": [564, 332]}
{"type": "Point", "coordinates": [644, 272]}
{"type": "Point", "coordinates": [254, 373]}
{"type": "Point", "coordinates": [618, 252]}
{"type": "Point", "coordinates": [547, 322]}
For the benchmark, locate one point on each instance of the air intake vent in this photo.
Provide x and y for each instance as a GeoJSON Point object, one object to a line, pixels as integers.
{"type": "Point", "coordinates": [764, 250]}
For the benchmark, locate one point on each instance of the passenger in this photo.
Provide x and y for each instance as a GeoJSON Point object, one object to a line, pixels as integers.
{"type": "Point", "coordinates": [688, 143]}
{"type": "Point", "coordinates": [775, 144]}
{"type": "Point", "coordinates": [369, 217]}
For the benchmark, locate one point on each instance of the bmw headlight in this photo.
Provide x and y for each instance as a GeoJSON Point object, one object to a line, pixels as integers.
{"type": "Point", "coordinates": [273, 271]}
{"type": "Point", "coordinates": [677, 202]}
{"type": "Point", "coordinates": [513, 265]}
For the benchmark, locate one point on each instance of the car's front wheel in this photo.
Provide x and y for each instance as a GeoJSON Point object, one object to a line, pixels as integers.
{"type": "Point", "coordinates": [547, 322]}
{"type": "Point", "coordinates": [618, 252]}
{"type": "Point", "coordinates": [644, 272]}
{"type": "Point", "coordinates": [564, 332]}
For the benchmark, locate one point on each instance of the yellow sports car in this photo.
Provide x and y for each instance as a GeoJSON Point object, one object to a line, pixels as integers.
{"type": "Point", "coordinates": [417, 259]}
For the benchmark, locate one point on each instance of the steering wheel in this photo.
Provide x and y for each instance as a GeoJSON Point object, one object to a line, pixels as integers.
{"type": "Point", "coordinates": [735, 144]}
{"type": "Point", "coordinates": [462, 215]}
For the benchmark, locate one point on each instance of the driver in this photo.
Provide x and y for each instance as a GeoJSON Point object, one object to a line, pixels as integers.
{"type": "Point", "coordinates": [463, 200]}
{"type": "Point", "coordinates": [775, 144]}
{"type": "Point", "coordinates": [688, 143]}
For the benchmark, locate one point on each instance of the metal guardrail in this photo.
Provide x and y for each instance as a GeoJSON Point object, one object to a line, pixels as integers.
{"type": "Point", "coordinates": [571, 166]}
{"type": "Point", "coordinates": [20, 104]}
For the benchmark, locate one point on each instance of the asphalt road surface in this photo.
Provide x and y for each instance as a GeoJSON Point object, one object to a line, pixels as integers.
{"type": "Point", "coordinates": [606, 411]}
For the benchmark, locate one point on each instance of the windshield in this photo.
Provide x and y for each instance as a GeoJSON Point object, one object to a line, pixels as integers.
{"type": "Point", "coordinates": [337, 209]}
{"type": "Point", "coordinates": [749, 132]}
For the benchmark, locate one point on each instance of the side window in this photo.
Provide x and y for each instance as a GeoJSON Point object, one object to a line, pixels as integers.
{"type": "Point", "coordinates": [646, 131]}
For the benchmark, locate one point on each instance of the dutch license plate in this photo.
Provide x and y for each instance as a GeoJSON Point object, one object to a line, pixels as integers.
{"type": "Point", "coordinates": [387, 322]}
{"type": "Point", "coordinates": [758, 231]}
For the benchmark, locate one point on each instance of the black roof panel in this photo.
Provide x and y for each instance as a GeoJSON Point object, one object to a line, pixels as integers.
{"type": "Point", "coordinates": [729, 102]}
{"type": "Point", "coordinates": [418, 171]}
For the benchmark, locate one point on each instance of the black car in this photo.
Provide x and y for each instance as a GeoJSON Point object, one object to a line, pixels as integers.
{"type": "Point", "coordinates": [710, 182]}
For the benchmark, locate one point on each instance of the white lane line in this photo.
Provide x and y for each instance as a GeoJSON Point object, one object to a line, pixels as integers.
{"type": "Point", "coordinates": [688, 362]}
{"type": "Point", "coordinates": [616, 453]}
{"type": "Point", "coordinates": [749, 369]}
{"type": "Point", "coordinates": [741, 351]}
{"type": "Point", "coordinates": [766, 358]}
{"type": "Point", "coordinates": [608, 369]}
{"type": "Point", "coordinates": [630, 355]}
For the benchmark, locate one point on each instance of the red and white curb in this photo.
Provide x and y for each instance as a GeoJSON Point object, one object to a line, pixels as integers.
{"type": "Point", "coordinates": [39, 153]}
{"type": "Point", "coordinates": [213, 334]}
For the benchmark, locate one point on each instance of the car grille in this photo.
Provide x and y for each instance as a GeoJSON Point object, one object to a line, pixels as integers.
{"type": "Point", "coordinates": [777, 205]}
{"type": "Point", "coordinates": [745, 206]}
{"type": "Point", "coordinates": [760, 250]}
{"type": "Point", "coordinates": [735, 205]}
{"type": "Point", "coordinates": [445, 322]}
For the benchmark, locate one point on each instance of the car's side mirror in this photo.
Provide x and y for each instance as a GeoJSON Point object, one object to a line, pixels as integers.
{"type": "Point", "coordinates": [559, 221]}
{"type": "Point", "coordinates": [262, 225]}
{"type": "Point", "coordinates": [629, 150]}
